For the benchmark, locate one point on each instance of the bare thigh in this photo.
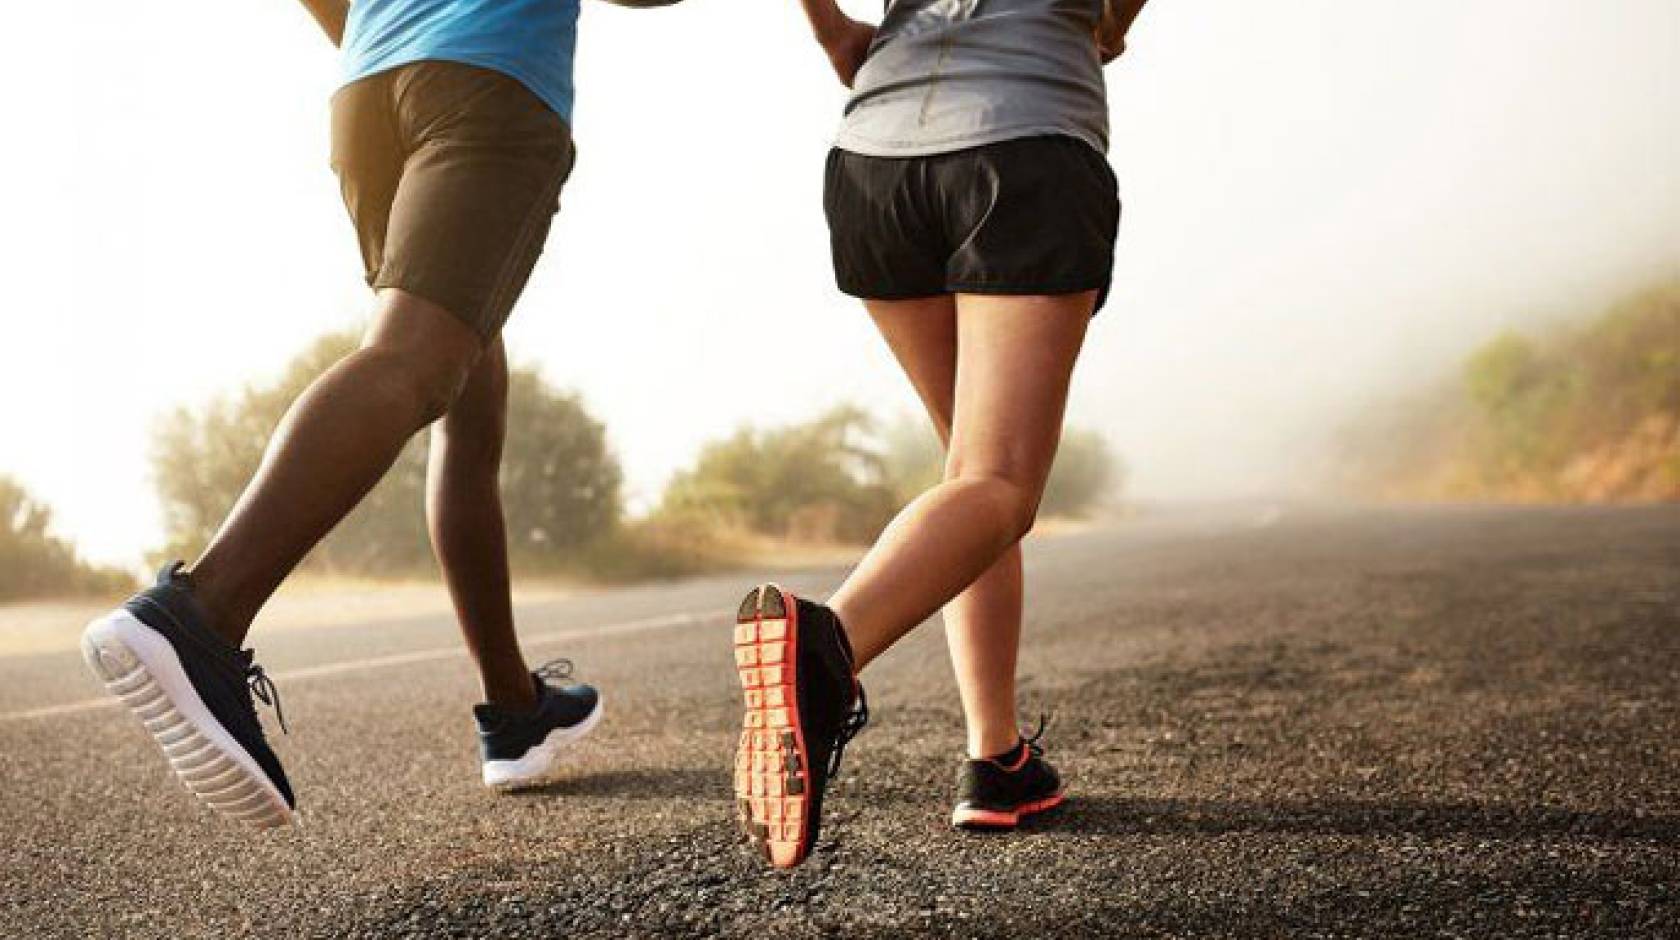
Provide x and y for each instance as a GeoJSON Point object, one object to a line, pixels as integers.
{"type": "Point", "coordinates": [922, 334]}
{"type": "Point", "coordinates": [1015, 359]}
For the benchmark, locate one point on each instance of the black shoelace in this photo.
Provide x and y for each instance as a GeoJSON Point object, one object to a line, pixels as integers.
{"type": "Point", "coordinates": [264, 689]}
{"type": "Point", "coordinates": [855, 721]}
{"type": "Point", "coordinates": [1031, 741]}
{"type": "Point", "coordinates": [559, 670]}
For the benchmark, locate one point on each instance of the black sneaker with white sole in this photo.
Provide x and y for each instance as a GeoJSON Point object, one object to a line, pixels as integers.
{"type": "Point", "coordinates": [193, 691]}
{"type": "Point", "coordinates": [524, 749]}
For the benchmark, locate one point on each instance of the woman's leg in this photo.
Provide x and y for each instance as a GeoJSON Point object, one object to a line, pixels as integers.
{"type": "Point", "coordinates": [983, 633]}
{"type": "Point", "coordinates": [1015, 358]}
{"type": "Point", "coordinates": [983, 623]}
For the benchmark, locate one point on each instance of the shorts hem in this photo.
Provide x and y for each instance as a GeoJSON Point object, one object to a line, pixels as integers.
{"type": "Point", "coordinates": [419, 288]}
{"type": "Point", "coordinates": [1013, 289]}
{"type": "Point", "coordinates": [865, 293]}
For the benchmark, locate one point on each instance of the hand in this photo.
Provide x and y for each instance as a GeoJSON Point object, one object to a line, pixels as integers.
{"type": "Point", "coordinates": [1111, 49]}
{"type": "Point", "coordinates": [847, 46]}
{"type": "Point", "coordinates": [1111, 35]}
{"type": "Point", "coordinates": [1117, 19]}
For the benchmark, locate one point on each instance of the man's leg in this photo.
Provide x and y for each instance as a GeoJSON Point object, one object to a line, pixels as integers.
{"type": "Point", "coordinates": [983, 623]}
{"type": "Point", "coordinates": [526, 724]}
{"type": "Point", "coordinates": [339, 438]}
{"type": "Point", "coordinates": [469, 534]}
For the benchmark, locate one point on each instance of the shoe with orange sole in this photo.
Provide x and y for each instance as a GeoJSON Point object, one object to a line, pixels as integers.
{"type": "Point", "coordinates": [998, 793]}
{"type": "Point", "coordinates": [802, 704]}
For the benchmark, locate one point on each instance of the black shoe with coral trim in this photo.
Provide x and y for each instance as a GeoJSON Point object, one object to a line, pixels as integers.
{"type": "Point", "coordinates": [802, 704]}
{"type": "Point", "coordinates": [997, 793]}
{"type": "Point", "coordinates": [193, 692]}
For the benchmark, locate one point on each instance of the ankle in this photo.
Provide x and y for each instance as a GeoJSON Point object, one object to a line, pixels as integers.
{"type": "Point", "coordinates": [507, 683]}
{"type": "Point", "coordinates": [996, 746]}
{"type": "Point", "coordinates": [843, 633]}
{"type": "Point", "coordinates": [514, 697]}
{"type": "Point", "coordinates": [215, 611]}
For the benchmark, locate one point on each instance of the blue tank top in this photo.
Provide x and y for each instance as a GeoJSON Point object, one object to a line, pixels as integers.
{"type": "Point", "coordinates": [531, 41]}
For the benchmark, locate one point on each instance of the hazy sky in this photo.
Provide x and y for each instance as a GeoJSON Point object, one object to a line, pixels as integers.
{"type": "Point", "coordinates": [1323, 200]}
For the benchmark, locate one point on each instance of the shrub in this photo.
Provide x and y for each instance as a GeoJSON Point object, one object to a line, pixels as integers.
{"type": "Point", "coordinates": [817, 481]}
{"type": "Point", "coordinates": [839, 479]}
{"type": "Point", "coordinates": [35, 564]}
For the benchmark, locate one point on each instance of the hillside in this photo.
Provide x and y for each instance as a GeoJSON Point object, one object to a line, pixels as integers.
{"type": "Point", "coordinates": [1585, 413]}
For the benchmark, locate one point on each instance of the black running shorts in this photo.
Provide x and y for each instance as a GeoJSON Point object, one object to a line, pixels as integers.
{"type": "Point", "coordinates": [452, 174]}
{"type": "Point", "coordinates": [1038, 215]}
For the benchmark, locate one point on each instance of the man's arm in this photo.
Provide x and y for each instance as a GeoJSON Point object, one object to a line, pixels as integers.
{"type": "Point", "coordinates": [1117, 19]}
{"type": "Point", "coordinates": [844, 39]}
{"type": "Point", "coordinates": [332, 15]}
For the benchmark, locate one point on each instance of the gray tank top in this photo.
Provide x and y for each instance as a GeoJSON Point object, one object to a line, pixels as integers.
{"type": "Point", "coordinates": [946, 75]}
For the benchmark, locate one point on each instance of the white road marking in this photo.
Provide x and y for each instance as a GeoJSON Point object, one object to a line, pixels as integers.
{"type": "Point", "coordinates": [307, 673]}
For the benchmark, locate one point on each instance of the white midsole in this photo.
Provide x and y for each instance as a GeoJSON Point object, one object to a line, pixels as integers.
{"type": "Point", "coordinates": [541, 763]}
{"type": "Point", "coordinates": [140, 667]}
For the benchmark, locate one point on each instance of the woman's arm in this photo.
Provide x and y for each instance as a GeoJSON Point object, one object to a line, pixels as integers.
{"type": "Point", "coordinates": [332, 15]}
{"type": "Point", "coordinates": [1117, 19]}
{"type": "Point", "coordinates": [844, 39]}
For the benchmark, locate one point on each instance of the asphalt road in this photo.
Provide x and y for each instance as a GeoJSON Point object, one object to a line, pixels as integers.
{"type": "Point", "coordinates": [1302, 723]}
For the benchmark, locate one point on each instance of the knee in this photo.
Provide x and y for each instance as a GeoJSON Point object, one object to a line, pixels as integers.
{"type": "Point", "coordinates": [424, 384]}
{"type": "Point", "coordinates": [434, 382]}
{"type": "Point", "coordinates": [1012, 503]}
{"type": "Point", "coordinates": [477, 422]}
{"type": "Point", "coordinates": [423, 354]}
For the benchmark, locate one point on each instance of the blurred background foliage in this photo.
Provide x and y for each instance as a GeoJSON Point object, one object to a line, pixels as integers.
{"type": "Point", "coordinates": [835, 480]}
{"type": "Point", "coordinates": [842, 477]}
{"type": "Point", "coordinates": [35, 564]}
{"type": "Point", "coordinates": [1586, 412]}
{"type": "Point", "coordinates": [824, 480]}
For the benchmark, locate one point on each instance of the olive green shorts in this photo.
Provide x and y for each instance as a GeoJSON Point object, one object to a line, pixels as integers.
{"type": "Point", "coordinates": [452, 175]}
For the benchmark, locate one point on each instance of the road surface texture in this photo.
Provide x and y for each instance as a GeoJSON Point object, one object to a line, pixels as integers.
{"type": "Point", "coordinates": [1275, 723]}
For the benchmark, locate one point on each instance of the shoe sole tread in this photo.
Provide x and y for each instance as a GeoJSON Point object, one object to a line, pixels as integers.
{"type": "Point", "coordinates": [772, 796]}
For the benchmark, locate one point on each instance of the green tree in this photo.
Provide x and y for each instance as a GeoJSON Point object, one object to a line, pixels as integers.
{"type": "Point", "coordinates": [561, 483]}
{"type": "Point", "coordinates": [820, 480]}
{"type": "Point", "coordinates": [35, 564]}
{"type": "Point", "coordinates": [839, 477]}
{"type": "Point", "coordinates": [562, 486]}
{"type": "Point", "coordinates": [1531, 417]}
